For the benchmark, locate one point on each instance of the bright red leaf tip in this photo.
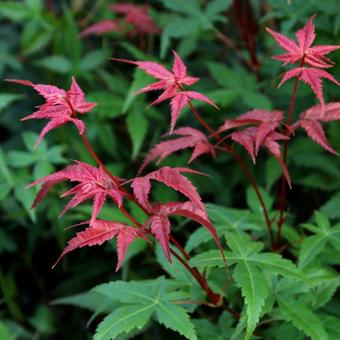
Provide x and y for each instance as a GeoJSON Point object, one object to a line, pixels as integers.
{"type": "Point", "coordinates": [303, 50]}
{"type": "Point", "coordinates": [100, 232]}
{"type": "Point", "coordinates": [160, 224]}
{"type": "Point", "coordinates": [137, 16]}
{"type": "Point", "coordinates": [248, 138]}
{"type": "Point", "coordinates": [171, 82]}
{"type": "Point", "coordinates": [60, 107]}
{"type": "Point", "coordinates": [311, 120]}
{"type": "Point", "coordinates": [94, 184]}
{"type": "Point", "coordinates": [191, 138]}
{"type": "Point", "coordinates": [312, 77]}
{"type": "Point", "coordinates": [101, 27]}
{"type": "Point", "coordinates": [171, 177]}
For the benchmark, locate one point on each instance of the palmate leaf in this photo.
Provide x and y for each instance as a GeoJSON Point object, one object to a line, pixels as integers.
{"type": "Point", "coordinates": [124, 319]}
{"type": "Point", "coordinates": [313, 245]}
{"type": "Point", "coordinates": [145, 300]}
{"type": "Point", "coordinates": [270, 262]}
{"type": "Point", "coordinates": [302, 317]}
{"type": "Point", "coordinates": [254, 290]}
{"type": "Point", "coordinates": [248, 273]}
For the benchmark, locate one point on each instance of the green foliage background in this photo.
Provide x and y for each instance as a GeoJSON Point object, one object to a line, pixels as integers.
{"type": "Point", "coordinates": [292, 295]}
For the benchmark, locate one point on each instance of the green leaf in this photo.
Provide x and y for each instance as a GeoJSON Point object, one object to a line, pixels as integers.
{"type": "Point", "coordinates": [223, 97]}
{"type": "Point", "coordinates": [273, 172]}
{"type": "Point", "coordinates": [138, 127]}
{"type": "Point", "coordinates": [56, 63]}
{"type": "Point", "coordinates": [175, 317]}
{"type": "Point", "coordinates": [221, 73]}
{"type": "Point", "coordinates": [30, 138]}
{"type": "Point", "coordinates": [181, 27]}
{"type": "Point", "coordinates": [20, 158]}
{"type": "Point", "coordinates": [189, 7]}
{"type": "Point", "coordinates": [256, 100]}
{"type": "Point", "coordinates": [211, 258]}
{"type": "Point", "coordinates": [310, 248]}
{"type": "Point", "coordinates": [140, 79]}
{"type": "Point", "coordinates": [42, 320]}
{"type": "Point", "coordinates": [321, 220]}
{"type": "Point", "coordinates": [4, 171]}
{"type": "Point", "coordinates": [89, 300]}
{"type": "Point", "coordinates": [331, 207]}
{"type": "Point", "coordinates": [5, 332]}
{"type": "Point", "coordinates": [145, 299]}
{"type": "Point", "coordinates": [13, 10]}
{"type": "Point", "coordinates": [254, 203]}
{"type": "Point", "coordinates": [216, 6]}
{"type": "Point", "coordinates": [108, 105]}
{"type": "Point", "coordinates": [332, 325]}
{"type": "Point", "coordinates": [302, 317]}
{"type": "Point", "coordinates": [6, 99]}
{"type": "Point", "coordinates": [254, 290]}
{"type": "Point", "coordinates": [270, 262]}
{"type": "Point", "coordinates": [93, 60]}
{"type": "Point", "coordinates": [124, 320]}
{"type": "Point", "coordinates": [35, 37]}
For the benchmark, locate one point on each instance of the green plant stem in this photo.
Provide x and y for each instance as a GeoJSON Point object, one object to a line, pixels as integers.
{"type": "Point", "coordinates": [243, 166]}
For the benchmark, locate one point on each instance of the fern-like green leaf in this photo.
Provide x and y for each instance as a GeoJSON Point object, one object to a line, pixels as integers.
{"type": "Point", "coordinates": [302, 317]}
{"type": "Point", "coordinates": [144, 300]}
{"type": "Point", "coordinates": [254, 290]}
{"type": "Point", "coordinates": [124, 320]}
{"type": "Point", "coordinates": [176, 318]}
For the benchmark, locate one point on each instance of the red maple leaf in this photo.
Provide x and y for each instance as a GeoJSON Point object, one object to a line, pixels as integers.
{"type": "Point", "coordinates": [311, 76]}
{"type": "Point", "coordinates": [311, 120]}
{"type": "Point", "coordinates": [101, 27]}
{"type": "Point", "coordinates": [94, 184]}
{"type": "Point", "coordinates": [248, 137]}
{"type": "Point", "coordinates": [60, 107]}
{"type": "Point", "coordinates": [160, 224]}
{"type": "Point", "coordinates": [191, 138]}
{"type": "Point", "coordinates": [266, 122]}
{"type": "Point", "coordinates": [137, 16]}
{"type": "Point", "coordinates": [171, 177]}
{"type": "Point", "coordinates": [101, 231]}
{"type": "Point", "coordinates": [303, 50]}
{"type": "Point", "coordinates": [172, 84]}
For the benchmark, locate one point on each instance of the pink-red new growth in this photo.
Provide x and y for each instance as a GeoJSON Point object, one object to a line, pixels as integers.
{"type": "Point", "coordinates": [248, 137]}
{"type": "Point", "coordinates": [172, 85]}
{"type": "Point", "coordinates": [160, 224]}
{"type": "Point", "coordinates": [171, 177]}
{"type": "Point", "coordinates": [101, 27]}
{"type": "Point", "coordinates": [101, 231]}
{"type": "Point", "coordinates": [60, 107]}
{"type": "Point", "coordinates": [138, 17]}
{"type": "Point", "coordinates": [311, 120]}
{"type": "Point", "coordinates": [262, 134]}
{"type": "Point", "coordinates": [191, 138]}
{"type": "Point", "coordinates": [94, 184]}
{"type": "Point", "coordinates": [267, 122]}
{"type": "Point", "coordinates": [302, 52]}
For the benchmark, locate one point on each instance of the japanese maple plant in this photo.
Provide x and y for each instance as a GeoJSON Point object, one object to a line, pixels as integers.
{"type": "Point", "coordinates": [273, 284]}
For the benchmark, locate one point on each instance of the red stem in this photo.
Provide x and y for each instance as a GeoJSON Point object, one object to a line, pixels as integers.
{"type": "Point", "coordinates": [285, 154]}
{"type": "Point", "coordinates": [213, 297]}
{"type": "Point", "coordinates": [180, 248]}
{"type": "Point", "coordinates": [243, 166]}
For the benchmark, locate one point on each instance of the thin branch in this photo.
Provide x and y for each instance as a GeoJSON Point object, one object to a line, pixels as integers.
{"type": "Point", "coordinates": [243, 166]}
